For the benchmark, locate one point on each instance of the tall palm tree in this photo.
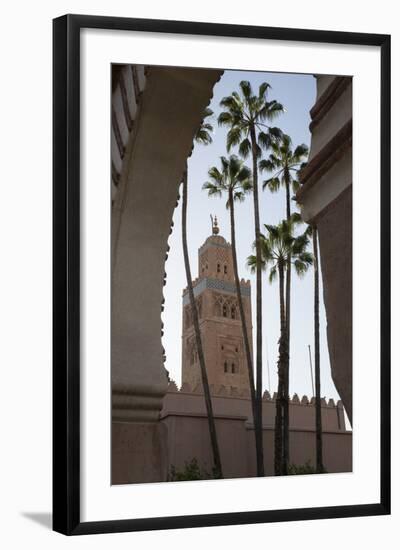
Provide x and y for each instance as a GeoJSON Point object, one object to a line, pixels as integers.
{"type": "Point", "coordinates": [279, 248]}
{"type": "Point", "coordinates": [318, 419]}
{"type": "Point", "coordinates": [246, 115]}
{"type": "Point", "coordinates": [284, 164]}
{"type": "Point", "coordinates": [202, 136]}
{"type": "Point", "coordinates": [234, 179]}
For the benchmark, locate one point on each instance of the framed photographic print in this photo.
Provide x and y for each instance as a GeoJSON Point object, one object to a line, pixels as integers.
{"type": "Point", "coordinates": [221, 274]}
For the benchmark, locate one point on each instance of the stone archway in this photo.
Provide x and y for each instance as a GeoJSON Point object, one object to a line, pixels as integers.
{"type": "Point", "coordinates": [156, 147]}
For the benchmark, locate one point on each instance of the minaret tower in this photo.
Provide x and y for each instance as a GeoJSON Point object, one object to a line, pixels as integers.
{"type": "Point", "coordinates": [220, 325]}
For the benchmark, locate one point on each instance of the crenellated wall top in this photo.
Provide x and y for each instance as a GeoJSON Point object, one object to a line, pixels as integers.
{"type": "Point", "coordinates": [230, 391]}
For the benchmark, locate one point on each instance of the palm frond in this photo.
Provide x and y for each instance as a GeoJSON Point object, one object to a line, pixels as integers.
{"type": "Point", "coordinates": [215, 175]}
{"type": "Point", "coordinates": [300, 152]}
{"type": "Point", "coordinates": [300, 267]}
{"type": "Point", "coordinates": [239, 196]}
{"type": "Point", "coordinates": [264, 139]}
{"type": "Point", "coordinates": [308, 231]}
{"type": "Point", "coordinates": [272, 274]}
{"type": "Point", "coordinates": [295, 186]}
{"type": "Point", "coordinates": [267, 249]}
{"type": "Point", "coordinates": [300, 244]}
{"type": "Point", "coordinates": [233, 177]}
{"type": "Point", "coordinates": [228, 102]}
{"type": "Point", "coordinates": [207, 126]}
{"type": "Point", "coordinates": [247, 184]}
{"type": "Point", "coordinates": [213, 190]}
{"type": "Point", "coordinates": [224, 164]}
{"type": "Point", "coordinates": [273, 184]}
{"type": "Point", "coordinates": [225, 119]}
{"type": "Point", "coordinates": [286, 142]}
{"type": "Point", "coordinates": [244, 175]}
{"type": "Point", "coordinates": [267, 165]}
{"type": "Point", "coordinates": [296, 219]}
{"type": "Point", "coordinates": [303, 262]}
{"type": "Point", "coordinates": [233, 166]}
{"type": "Point", "coordinates": [274, 109]}
{"type": "Point", "coordinates": [262, 91]}
{"type": "Point", "coordinates": [245, 148]}
{"type": "Point", "coordinates": [233, 137]}
{"type": "Point", "coordinates": [247, 91]}
{"type": "Point", "coordinates": [273, 231]}
{"type": "Point", "coordinates": [236, 96]}
{"type": "Point", "coordinates": [307, 258]}
{"type": "Point", "coordinates": [252, 262]}
{"type": "Point", "coordinates": [202, 136]}
{"type": "Point", "coordinates": [275, 157]}
{"type": "Point", "coordinates": [203, 132]}
{"type": "Point", "coordinates": [276, 133]}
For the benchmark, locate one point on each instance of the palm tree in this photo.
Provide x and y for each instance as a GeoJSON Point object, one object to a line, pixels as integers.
{"type": "Point", "coordinates": [279, 248]}
{"type": "Point", "coordinates": [246, 114]}
{"type": "Point", "coordinates": [202, 136]}
{"type": "Point", "coordinates": [284, 164]}
{"type": "Point", "coordinates": [235, 179]}
{"type": "Point", "coordinates": [318, 420]}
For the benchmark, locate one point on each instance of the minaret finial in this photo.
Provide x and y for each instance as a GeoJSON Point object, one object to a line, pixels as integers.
{"type": "Point", "coordinates": [215, 228]}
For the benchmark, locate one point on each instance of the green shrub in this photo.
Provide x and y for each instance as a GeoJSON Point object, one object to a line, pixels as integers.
{"type": "Point", "coordinates": [190, 472]}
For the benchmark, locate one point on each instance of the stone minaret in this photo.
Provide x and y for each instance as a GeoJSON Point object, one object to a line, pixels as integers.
{"type": "Point", "coordinates": [220, 324]}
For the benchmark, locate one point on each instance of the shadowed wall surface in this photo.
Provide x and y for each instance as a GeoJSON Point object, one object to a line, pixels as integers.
{"type": "Point", "coordinates": [185, 416]}
{"type": "Point", "coordinates": [153, 141]}
{"type": "Point", "coordinates": [326, 201]}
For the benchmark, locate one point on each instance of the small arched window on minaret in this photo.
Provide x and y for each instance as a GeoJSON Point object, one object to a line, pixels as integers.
{"type": "Point", "coordinates": [233, 312]}
{"type": "Point", "coordinates": [225, 269]}
{"type": "Point", "coordinates": [224, 310]}
{"type": "Point", "coordinates": [218, 268]}
{"type": "Point", "coordinates": [233, 368]}
{"type": "Point", "coordinates": [225, 366]}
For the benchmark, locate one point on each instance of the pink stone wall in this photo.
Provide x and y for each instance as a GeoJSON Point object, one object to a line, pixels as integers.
{"type": "Point", "coordinates": [184, 416]}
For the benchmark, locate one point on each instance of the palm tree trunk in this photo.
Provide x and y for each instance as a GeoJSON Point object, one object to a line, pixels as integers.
{"type": "Point", "coordinates": [286, 420]}
{"type": "Point", "coordinates": [278, 457]}
{"type": "Point", "coordinates": [318, 420]}
{"type": "Point", "coordinates": [257, 431]}
{"type": "Point", "coordinates": [204, 377]}
{"type": "Point", "coordinates": [258, 284]}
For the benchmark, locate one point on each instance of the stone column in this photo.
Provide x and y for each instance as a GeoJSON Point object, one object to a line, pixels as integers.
{"type": "Point", "coordinates": [326, 200]}
{"type": "Point", "coordinates": [170, 112]}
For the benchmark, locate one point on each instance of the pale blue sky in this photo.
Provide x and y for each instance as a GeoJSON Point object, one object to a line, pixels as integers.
{"type": "Point", "coordinates": [297, 94]}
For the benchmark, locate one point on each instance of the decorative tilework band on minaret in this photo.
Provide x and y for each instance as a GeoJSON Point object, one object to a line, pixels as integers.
{"type": "Point", "coordinates": [220, 325]}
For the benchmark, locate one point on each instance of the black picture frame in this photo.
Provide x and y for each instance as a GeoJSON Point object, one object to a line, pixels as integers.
{"type": "Point", "coordinates": [66, 273]}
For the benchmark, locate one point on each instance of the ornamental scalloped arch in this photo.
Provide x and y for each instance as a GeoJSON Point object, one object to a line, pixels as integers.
{"type": "Point", "coordinates": [152, 160]}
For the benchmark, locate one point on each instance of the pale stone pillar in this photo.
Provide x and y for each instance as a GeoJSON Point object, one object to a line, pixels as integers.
{"type": "Point", "coordinates": [170, 112]}
{"type": "Point", "coordinates": [326, 200]}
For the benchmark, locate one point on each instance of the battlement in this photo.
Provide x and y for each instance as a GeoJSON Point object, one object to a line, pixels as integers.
{"type": "Point", "coordinates": [230, 391]}
{"type": "Point", "coordinates": [184, 413]}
